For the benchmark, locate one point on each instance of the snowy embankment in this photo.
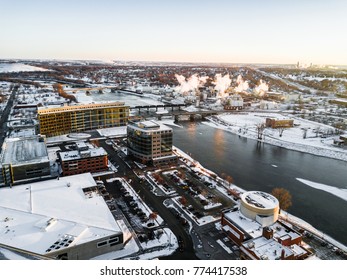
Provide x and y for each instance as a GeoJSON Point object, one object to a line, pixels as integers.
{"type": "Point", "coordinates": [285, 215]}
{"type": "Point", "coordinates": [308, 227]}
{"type": "Point", "coordinates": [245, 125]}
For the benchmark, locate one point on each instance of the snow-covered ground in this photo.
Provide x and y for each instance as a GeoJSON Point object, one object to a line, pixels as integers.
{"type": "Point", "coordinates": [19, 67]}
{"type": "Point", "coordinates": [292, 138]}
{"type": "Point", "coordinates": [303, 224]}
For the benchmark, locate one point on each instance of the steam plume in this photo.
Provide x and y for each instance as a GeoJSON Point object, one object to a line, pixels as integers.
{"type": "Point", "coordinates": [190, 84]}
{"type": "Point", "coordinates": [221, 84]}
{"type": "Point", "coordinates": [262, 88]}
{"type": "Point", "coordinates": [242, 85]}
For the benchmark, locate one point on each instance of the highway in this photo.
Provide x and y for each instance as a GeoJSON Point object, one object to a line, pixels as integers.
{"type": "Point", "coordinates": [4, 116]}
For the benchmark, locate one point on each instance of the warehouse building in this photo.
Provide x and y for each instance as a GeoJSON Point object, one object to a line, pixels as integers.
{"type": "Point", "coordinates": [60, 219]}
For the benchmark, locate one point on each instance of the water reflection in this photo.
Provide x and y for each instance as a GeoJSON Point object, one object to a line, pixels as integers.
{"type": "Point", "coordinates": [257, 166]}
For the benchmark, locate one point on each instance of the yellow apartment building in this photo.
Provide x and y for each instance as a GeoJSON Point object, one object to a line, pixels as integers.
{"type": "Point", "coordinates": [78, 118]}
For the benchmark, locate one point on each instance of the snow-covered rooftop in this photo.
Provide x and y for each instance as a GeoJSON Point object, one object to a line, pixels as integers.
{"type": "Point", "coordinates": [259, 199]}
{"type": "Point", "coordinates": [281, 232]}
{"type": "Point", "coordinates": [75, 155]}
{"type": "Point", "coordinates": [150, 126]}
{"type": "Point", "coordinates": [24, 150]}
{"type": "Point", "coordinates": [250, 226]}
{"type": "Point", "coordinates": [35, 216]}
{"type": "Point", "coordinates": [268, 249]}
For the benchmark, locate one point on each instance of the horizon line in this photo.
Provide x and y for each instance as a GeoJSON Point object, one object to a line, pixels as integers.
{"type": "Point", "coordinates": [161, 61]}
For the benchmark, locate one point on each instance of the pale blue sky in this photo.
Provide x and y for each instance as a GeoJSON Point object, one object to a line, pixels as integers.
{"type": "Point", "coordinates": [248, 31]}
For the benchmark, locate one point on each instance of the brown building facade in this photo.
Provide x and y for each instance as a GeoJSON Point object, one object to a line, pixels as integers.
{"type": "Point", "coordinates": [83, 160]}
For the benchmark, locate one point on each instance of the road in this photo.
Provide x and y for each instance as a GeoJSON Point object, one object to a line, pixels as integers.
{"type": "Point", "coordinates": [153, 201]}
{"type": "Point", "coordinates": [4, 116]}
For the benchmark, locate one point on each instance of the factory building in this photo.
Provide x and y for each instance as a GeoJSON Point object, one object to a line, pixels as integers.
{"type": "Point", "coordinates": [23, 160]}
{"type": "Point", "coordinates": [235, 102]}
{"type": "Point", "coordinates": [55, 121]}
{"type": "Point", "coordinates": [150, 142]}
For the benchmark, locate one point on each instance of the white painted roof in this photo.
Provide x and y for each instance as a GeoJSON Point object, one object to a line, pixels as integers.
{"type": "Point", "coordinates": [35, 216]}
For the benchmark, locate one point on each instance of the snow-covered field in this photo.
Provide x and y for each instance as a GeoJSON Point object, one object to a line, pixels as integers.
{"type": "Point", "coordinates": [292, 138]}
{"type": "Point", "coordinates": [19, 67]}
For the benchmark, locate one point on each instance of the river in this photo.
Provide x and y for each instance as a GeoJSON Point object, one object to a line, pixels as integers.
{"type": "Point", "coordinates": [263, 167]}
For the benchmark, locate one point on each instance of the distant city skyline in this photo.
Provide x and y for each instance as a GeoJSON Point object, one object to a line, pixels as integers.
{"type": "Point", "coordinates": [221, 31]}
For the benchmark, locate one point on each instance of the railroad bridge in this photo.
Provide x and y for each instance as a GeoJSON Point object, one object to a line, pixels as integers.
{"type": "Point", "coordinates": [201, 114]}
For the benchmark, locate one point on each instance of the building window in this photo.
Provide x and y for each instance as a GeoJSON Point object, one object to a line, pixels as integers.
{"type": "Point", "coordinates": [101, 244]}
{"type": "Point", "coordinates": [114, 241]}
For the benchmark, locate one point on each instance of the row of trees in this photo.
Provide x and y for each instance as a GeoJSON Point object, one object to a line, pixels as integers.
{"type": "Point", "coordinates": [59, 89]}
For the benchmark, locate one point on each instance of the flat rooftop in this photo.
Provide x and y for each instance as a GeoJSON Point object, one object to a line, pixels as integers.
{"type": "Point", "coordinates": [24, 150]}
{"type": "Point", "coordinates": [66, 108]}
{"type": "Point", "coordinates": [268, 249]}
{"type": "Point", "coordinates": [75, 155]}
{"type": "Point", "coordinates": [149, 126]}
{"type": "Point", "coordinates": [253, 228]}
{"type": "Point", "coordinates": [35, 216]}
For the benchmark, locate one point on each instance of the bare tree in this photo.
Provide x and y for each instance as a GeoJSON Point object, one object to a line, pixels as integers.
{"type": "Point", "coordinates": [260, 130]}
{"type": "Point", "coordinates": [284, 198]}
{"type": "Point", "coordinates": [153, 216]}
{"type": "Point", "coordinates": [317, 130]}
{"type": "Point", "coordinates": [229, 179]}
{"type": "Point", "coordinates": [280, 131]}
{"type": "Point", "coordinates": [183, 201]}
